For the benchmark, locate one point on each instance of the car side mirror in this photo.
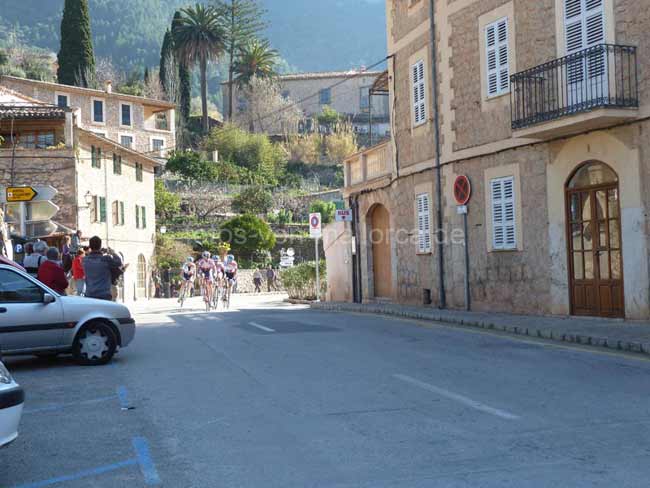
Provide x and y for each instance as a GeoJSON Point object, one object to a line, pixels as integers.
{"type": "Point", "coordinates": [47, 299]}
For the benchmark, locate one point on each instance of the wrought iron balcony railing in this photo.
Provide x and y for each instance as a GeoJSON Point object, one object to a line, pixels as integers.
{"type": "Point", "coordinates": [601, 76]}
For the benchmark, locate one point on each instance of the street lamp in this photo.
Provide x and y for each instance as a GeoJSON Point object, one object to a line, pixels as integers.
{"type": "Point", "coordinates": [88, 198]}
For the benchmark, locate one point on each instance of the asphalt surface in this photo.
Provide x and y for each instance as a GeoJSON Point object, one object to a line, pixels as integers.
{"type": "Point", "coordinates": [273, 395]}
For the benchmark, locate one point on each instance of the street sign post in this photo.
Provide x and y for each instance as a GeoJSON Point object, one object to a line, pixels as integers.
{"type": "Point", "coordinates": [316, 231]}
{"type": "Point", "coordinates": [462, 195]}
{"type": "Point", "coordinates": [30, 209]}
{"type": "Point", "coordinates": [20, 194]}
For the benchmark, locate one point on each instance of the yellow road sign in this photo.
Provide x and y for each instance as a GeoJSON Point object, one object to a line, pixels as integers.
{"type": "Point", "coordinates": [20, 194]}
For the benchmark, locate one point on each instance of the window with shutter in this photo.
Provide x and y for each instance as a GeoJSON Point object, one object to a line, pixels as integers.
{"type": "Point", "coordinates": [102, 209]}
{"type": "Point", "coordinates": [498, 63]}
{"type": "Point", "coordinates": [114, 212]}
{"type": "Point", "coordinates": [121, 213]}
{"type": "Point", "coordinates": [419, 94]}
{"type": "Point", "coordinates": [423, 204]}
{"type": "Point", "coordinates": [504, 233]}
{"type": "Point", "coordinates": [584, 26]}
{"type": "Point", "coordinates": [143, 217]}
{"type": "Point", "coordinates": [137, 216]}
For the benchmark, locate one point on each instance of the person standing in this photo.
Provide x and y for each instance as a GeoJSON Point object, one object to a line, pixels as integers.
{"type": "Point", "coordinates": [99, 269]}
{"type": "Point", "coordinates": [78, 273]}
{"type": "Point", "coordinates": [257, 280]}
{"type": "Point", "coordinates": [75, 242]}
{"type": "Point", "coordinates": [34, 257]}
{"type": "Point", "coordinates": [270, 278]}
{"type": "Point", "coordinates": [51, 274]}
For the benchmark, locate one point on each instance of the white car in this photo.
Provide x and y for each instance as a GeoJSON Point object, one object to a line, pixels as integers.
{"type": "Point", "coordinates": [11, 407]}
{"type": "Point", "coordinates": [36, 320]}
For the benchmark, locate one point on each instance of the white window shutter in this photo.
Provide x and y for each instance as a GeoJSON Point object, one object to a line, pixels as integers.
{"type": "Point", "coordinates": [504, 230]}
{"type": "Point", "coordinates": [497, 58]}
{"type": "Point", "coordinates": [424, 222]}
{"type": "Point", "coordinates": [419, 93]}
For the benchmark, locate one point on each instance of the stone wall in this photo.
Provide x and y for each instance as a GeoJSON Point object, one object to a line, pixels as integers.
{"type": "Point", "coordinates": [54, 167]}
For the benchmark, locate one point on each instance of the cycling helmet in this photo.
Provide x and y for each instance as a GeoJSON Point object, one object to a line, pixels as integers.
{"type": "Point", "coordinates": [215, 258]}
{"type": "Point", "coordinates": [206, 254]}
{"type": "Point", "coordinates": [230, 258]}
{"type": "Point", "coordinates": [190, 259]}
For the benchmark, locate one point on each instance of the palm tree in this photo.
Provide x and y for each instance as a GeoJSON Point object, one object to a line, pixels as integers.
{"type": "Point", "coordinates": [255, 59]}
{"type": "Point", "coordinates": [199, 37]}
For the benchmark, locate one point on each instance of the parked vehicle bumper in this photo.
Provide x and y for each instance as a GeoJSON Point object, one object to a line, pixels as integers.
{"type": "Point", "coordinates": [11, 409]}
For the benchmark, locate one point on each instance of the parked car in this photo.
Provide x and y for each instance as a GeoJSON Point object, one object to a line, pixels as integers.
{"type": "Point", "coordinates": [12, 398]}
{"type": "Point", "coordinates": [35, 319]}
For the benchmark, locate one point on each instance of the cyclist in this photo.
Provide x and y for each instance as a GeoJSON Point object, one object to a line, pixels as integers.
{"type": "Point", "coordinates": [207, 269]}
{"type": "Point", "coordinates": [188, 273]}
{"type": "Point", "coordinates": [231, 270]}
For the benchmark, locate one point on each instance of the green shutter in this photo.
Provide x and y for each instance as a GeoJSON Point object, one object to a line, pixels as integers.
{"type": "Point", "coordinates": [121, 213]}
{"type": "Point", "coordinates": [117, 164]}
{"type": "Point", "coordinates": [102, 209]}
{"type": "Point", "coordinates": [137, 217]}
{"type": "Point", "coordinates": [144, 217]}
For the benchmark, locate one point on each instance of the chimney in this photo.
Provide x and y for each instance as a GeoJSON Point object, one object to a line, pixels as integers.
{"type": "Point", "coordinates": [108, 86]}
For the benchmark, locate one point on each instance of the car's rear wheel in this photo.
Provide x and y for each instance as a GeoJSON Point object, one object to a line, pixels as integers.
{"type": "Point", "coordinates": [95, 344]}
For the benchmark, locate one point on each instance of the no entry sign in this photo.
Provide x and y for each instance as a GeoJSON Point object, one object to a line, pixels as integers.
{"type": "Point", "coordinates": [462, 190]}
{"type": "Point", "coordinates": [315, 227]}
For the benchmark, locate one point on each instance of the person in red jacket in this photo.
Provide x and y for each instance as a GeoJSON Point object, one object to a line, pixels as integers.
{"type": "Point", "coordinates": [51, 274]}
{"type": "Point", "coordinates": [78, 273]}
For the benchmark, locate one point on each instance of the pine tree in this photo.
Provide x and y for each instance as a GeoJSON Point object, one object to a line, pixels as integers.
{"type": "Point", "coordinates": [243, 20]}
{"type": "Point", "coordinates": [76, 58]}
{"type": "Point", "coordinates": [146, 75]}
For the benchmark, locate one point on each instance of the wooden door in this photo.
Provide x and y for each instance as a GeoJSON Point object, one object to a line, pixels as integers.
{"type": "Point", "coordinates": [594, 246]}
{"type": "Point", "coordinates": [381, 254]}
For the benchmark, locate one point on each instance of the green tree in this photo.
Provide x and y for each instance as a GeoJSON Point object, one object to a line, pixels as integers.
{"type": "Point", "coordinates": [168, 204]}
{"type": "Point", "coordinates": [254, 200]}
{"type": "Point", "coordinates": [166, 56]}
{"type": "Point", "coordinates": [76, 57]}
{"type": "Point", "coordinates": [328, 116]}
{"type": "Point", "coordinates": [327, 210]}
{"type": "Point", "coordinates": [191, 167]}
{"type": "Point", "coordinates": [243, 20]}
{"type": "Point", "coordinates": [184, 79]}
{"type": "Point", "coordinates": [199, 37]}
{"type": "Point", "coordinates": [171, 253]}
{"type": "Point", "coordinates": [247, 235]}
{"type": "Point", "coordinates": [255, 59]}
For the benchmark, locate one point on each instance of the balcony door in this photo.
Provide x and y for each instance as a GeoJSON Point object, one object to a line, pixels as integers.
{"type": "Point", "coordinates": [584, 28]}
{"type": "Point", "coordinates": [594, 242]}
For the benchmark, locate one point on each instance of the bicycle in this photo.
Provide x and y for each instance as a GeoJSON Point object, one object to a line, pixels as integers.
{"type": "Point", "coordinates": [227, 292]}
{"type": "Point", "coordinates": [184, 290]}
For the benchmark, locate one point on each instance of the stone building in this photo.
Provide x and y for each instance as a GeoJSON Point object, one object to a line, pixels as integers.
{"type": "Point", "coordinates": [104, 188]}
{"type": "Point", "coordinates": [347, 92]}
{"type": "Point", "coordinates": [544, 107]}
{"type": "Point", "coordinates": [143, 124]}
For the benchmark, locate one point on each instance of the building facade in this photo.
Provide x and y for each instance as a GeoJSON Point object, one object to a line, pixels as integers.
{"type": "Point", "coordinates": [104, 188]}
{"type": "Point", "coordinates": [544, 107]}
{"type": "Point", "coordinates": [347, 92]}
{"type": "Point", "coordinates": [143, 124]}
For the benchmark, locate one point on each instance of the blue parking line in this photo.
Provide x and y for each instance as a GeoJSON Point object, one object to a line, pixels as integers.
{"type": "Point", "coordinates": [81, 474]}
{"type": "Point", "coordinates": [60, 406]}
{"type": "Point", "coordinates": [145, 461]}
{"type": "Point", "coordinates": [123, 396]}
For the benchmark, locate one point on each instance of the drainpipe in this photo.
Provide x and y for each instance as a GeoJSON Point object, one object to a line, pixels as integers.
{"type": "Point", "coordinates": [442, 299]}
{"type": "Point", "coordinates": [356, 261]}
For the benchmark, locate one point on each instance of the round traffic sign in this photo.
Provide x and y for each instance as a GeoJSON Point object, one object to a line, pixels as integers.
{"type": "Point", "coordinates": [315, 221]}
{"type": "Point", "coordinates": [462, 190]}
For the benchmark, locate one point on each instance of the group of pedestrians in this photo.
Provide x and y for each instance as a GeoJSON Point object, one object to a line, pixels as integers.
{"type": "Point", "coordinates": [271, 279]}
{"type": "Point", "coordinates": [90, 271]}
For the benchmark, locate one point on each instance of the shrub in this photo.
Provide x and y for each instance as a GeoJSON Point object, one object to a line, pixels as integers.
{"type": "Point", "coordinates": [340, 145]}
{"type": "Point", "coordinates": [170, 253]}
{"type": "Point", "coordinates": [248, 235]}
{"type": "Point", "coordinates": [254, 200]}
{"type": "Point", "coordinates": [191, 167]}
{"type": "Point", "coordinates": [326, 210]}
{"type": "Point", "coordinates": [168, 204]}
{"type": "Point", "coordinates": [300, 281]}
{"type": "Point", "coordinates": [305, 148]}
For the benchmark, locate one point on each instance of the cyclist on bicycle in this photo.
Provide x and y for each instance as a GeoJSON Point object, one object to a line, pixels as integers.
{"type": "Point", "coordinates": [207, 269]}
{"type": "Point", "coordinates": [231, 270]}
{"type": "Point", "coordinates": [188, 273]}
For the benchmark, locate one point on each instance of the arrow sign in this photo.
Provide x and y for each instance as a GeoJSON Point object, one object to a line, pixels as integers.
{"type": "Point", "coordinates": [40, 228]}
{"type": "Point", "coordinates": [37, 211]}
{"type": "Point", "coordinates": [20, 194]}
{"type": "Point", "coordinates": [35, 193]}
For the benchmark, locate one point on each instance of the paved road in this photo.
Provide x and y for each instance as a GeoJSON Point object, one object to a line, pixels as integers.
{"type": "Point", "coordinates": [279, 396]}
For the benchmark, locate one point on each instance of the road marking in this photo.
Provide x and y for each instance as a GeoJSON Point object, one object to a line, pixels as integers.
{"type": "Point", "coordinates": [81, 474]}
{"type": "Point", "coordinates": [145, 461]}
{"type": "Point", "coordinates": [261, 327]}
{"type": "Point", "coordinates": [61, 406]}
{"type": "Point", "coordinates": [468, 402]}
{"type": "Point", "coordinates": [123, 396]}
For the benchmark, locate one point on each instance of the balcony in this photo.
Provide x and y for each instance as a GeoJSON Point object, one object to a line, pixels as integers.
{"type": "Point", "coordinates": [589, 89]}
{"type": "Point", "coordinates": [369, 165]}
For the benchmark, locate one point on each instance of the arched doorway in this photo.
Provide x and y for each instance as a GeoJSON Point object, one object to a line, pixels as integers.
{"type": "Point", "coordinates": [141, 278]}
{"type": "Point", "coordinates": [594, 241]}
{"type": "Point", "coordinates": [381, 252]}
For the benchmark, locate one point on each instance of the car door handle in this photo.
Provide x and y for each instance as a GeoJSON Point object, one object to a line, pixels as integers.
{"type": "Point", "coordinates": [3, 310]}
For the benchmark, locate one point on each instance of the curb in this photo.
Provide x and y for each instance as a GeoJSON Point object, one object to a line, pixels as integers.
{"type": "Point", "coordinates": [552, 335]}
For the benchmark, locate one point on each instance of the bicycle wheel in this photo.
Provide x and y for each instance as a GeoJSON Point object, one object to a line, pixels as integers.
{"type": "Point", "coordinates": [181, 298]}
